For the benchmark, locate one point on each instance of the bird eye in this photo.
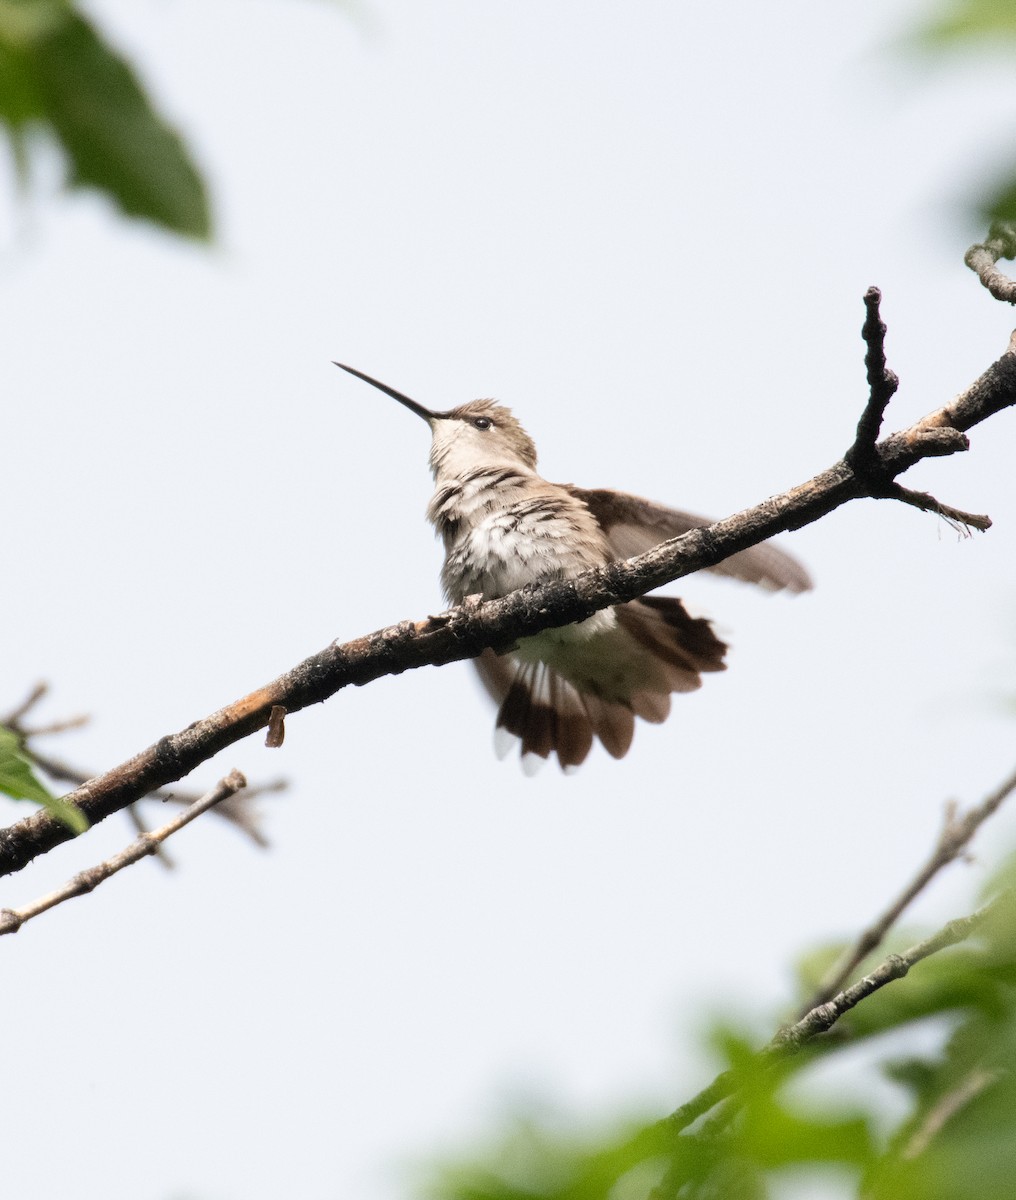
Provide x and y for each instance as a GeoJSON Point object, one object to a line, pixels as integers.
{"type": "Point", "coordinates": [482, 422]}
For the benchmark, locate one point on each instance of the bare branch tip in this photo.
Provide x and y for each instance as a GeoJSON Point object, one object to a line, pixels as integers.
{"type": "Point", "coordinates": [10, 920]}
{"type": "Point", "coordinates": [962, 522]}
{"type": "Point", "coordinates": [862, 457]}
{"type": "Point", "coordinates": [234, 781]}
{"type": "Point", "coordinates": [983, 257]}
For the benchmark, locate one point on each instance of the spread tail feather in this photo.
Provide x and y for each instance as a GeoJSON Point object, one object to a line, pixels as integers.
{"type": "Point", "coordinates": [553, 710]}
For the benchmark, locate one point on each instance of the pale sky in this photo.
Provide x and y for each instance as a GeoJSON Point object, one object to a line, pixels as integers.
{"type": "Point", "coordinates": [648, 229]}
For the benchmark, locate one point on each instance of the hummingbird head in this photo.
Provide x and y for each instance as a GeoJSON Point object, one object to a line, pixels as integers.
{"type": "Point", "coordinates": [478, 434]}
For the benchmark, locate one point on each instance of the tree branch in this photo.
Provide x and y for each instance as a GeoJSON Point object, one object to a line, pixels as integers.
{"type": "Point", "coordinates": [238, 809]}
{"type": "Point", "coordinates": [11, 919]}
{"type": "Point", "coordinates": [720, 1098]}
{"type": "Point", "coordinates": [821, 1019]}
{"type": "Point", "coordinates": [952, 841]}
{"type": "Point", "coordinates": [463, 632]}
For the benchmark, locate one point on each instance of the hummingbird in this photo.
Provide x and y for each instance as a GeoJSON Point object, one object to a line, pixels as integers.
{"type": "Point", "coordinates": [504, 526]}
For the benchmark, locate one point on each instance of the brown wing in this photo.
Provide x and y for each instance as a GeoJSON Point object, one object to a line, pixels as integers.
{"type": "Point", "coordinates": [634, 525]}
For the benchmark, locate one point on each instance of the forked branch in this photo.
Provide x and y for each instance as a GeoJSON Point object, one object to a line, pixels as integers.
{"type": "Point", "coordinates": [957, 832]}
{"type": "Point", "coordinates": [822, 1017]}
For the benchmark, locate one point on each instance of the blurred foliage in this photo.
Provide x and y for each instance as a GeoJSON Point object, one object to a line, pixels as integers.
{"type": "Point", "coordinates": [971, 27]}
{"type": "Point", "coordinates": [19, 782]}
{"type": "Point", "coordinates": [59, 77]}
{"type": "Point", "coordinates": [956, 1139]}
{"type": "Point", "coordinates": [961, 19]}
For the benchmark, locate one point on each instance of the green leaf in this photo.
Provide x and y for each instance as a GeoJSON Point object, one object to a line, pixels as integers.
{"type": "Point", "coordinates": [18, 781]}
{"type": "Point", "coordinates": [55, 70]}
{"type": "Point", "coordinates": [16, 777]}
{"type": "Point", "coordinates": [114, 138]}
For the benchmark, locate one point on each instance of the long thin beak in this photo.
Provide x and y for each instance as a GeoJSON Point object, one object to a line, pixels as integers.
{"type": "Point", "coordinates": [410, 404]}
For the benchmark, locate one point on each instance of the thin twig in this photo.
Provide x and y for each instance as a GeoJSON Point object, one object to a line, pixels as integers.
{"type": "Point", "coordinates": [32, 731]}
{"type": "Point", "coordinates": [819, 1020]}
{"type": "Point", "coordinates": [947, 1107]}
{"type": "Point", "coordinates": [239, 810]}
{"type": "Point", "coordinates": [895, 966]}
{"type": "Point", "coordinates": [953, 840]}
{"type": "Point", "coordinates": [464, 632]}
{"type": "Point", "coordinates": [14, 718]}
{"type": "Point", "coordinates": [141, 829]}
{"type": "Point", "coordinates": [961, 521]}
{"type": "Point", "coordinates": [981, 260]}
{"type": "Point", "coordinates": [12, 919]}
